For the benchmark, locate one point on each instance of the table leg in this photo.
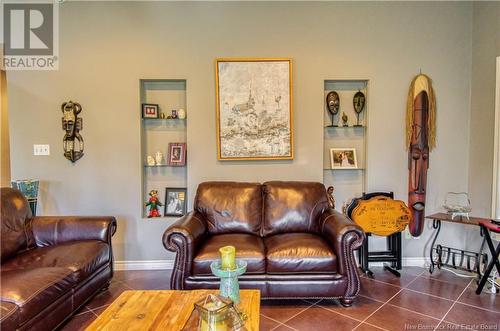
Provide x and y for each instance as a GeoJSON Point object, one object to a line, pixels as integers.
{"type": "Point", "coordinates": [494, 260]}
{"type": "Point", "coordinates": [436, 224]}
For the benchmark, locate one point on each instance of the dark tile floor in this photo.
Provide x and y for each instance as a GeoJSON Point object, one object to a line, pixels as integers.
{"type": "Point", "coordinates": [416, 301]}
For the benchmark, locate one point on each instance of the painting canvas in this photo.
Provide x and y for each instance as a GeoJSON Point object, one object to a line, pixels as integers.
{"type": "Point", "coordinates": [254, 109]}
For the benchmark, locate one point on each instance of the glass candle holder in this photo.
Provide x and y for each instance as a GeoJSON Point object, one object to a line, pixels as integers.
{"type": "Point", "coordinates": [229, 286]}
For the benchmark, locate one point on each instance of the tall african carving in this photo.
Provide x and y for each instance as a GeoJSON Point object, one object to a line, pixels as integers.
{"type": "Point", "coordinates": [420, 140]}
{"type": "Point", "coordinates": [72, 124]}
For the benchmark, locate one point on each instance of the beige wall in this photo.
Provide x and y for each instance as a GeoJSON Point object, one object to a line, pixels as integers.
{"type": "Point", "coordinates": [485, 49]}
{"type": "Point", "coordinates": [105, 48]}
{"type": "Point", "coordinates": [4, 133]}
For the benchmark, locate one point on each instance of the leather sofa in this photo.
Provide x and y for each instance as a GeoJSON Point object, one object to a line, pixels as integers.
{"type": "Point", "coordinates": [294, 244]}
{"type": "Point", "coordinates": [50, 266]}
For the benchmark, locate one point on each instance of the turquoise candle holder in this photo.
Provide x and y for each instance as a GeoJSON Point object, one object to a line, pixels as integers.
{"type": "Point", "coordinates": [229, 286]}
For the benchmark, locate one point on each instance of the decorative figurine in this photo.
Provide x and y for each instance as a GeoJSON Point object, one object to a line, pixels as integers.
{"type": "Point", "coordinates": [159, 158]}
{"type": "Point", "coordinates": [333, 104]}
{"type": "Point", "coordinates": [420, 140]}
{"type": "Point", "coordinates": [72, 124]}
{"type": "Point", "coordinates": [151, 161]}
{"type": "Point", "coordinates": [331, 199]}
{"type": "Point", "coordinates": [153, 203]}
{"type": "Point", "coordinates": [344, 120]}
{"type": "Point", "coordinates": [358, 101]}
{"type": "Point", "coordinates": [174, 114]}
{"type": "Point", "coordinates": [181, 114]}
{"type": "Point", "coordinates": [162, 115]}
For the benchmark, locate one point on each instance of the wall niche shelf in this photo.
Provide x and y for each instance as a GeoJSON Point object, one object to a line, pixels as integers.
{"type": "Point", "coordinates": [162, 166]}
{"type": "Point", "coordinates": [348, 182]}
{"type": "Point", "coordinates": [156, 134]}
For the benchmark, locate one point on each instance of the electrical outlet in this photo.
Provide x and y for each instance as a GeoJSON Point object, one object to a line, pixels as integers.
{"type": "Point", "coordinates": [41, 150]}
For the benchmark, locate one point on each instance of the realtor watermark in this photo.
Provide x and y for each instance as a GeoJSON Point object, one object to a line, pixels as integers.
{"type": "Point", "coordinates": [30, 33]}
{"type": "Point", "coordinates": [449, 326]}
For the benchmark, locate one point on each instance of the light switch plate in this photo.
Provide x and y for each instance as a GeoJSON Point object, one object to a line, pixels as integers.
{"type": "Point", "coordinates": [41, 149]}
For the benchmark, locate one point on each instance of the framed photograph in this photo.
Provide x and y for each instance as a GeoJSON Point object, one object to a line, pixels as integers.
{"type": "Point", "coordinates": [177, 154]}
{"type": "Point", "coordinates": [175, 201]}
{"type": "Point", "coordinates": [254, 109]}
{"type": "Point", "coordinates": [150, 110]}
{"type": "Point", "coordinates": [343, 158]}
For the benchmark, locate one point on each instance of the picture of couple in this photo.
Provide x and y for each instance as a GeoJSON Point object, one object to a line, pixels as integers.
{"type": "Point", "coordinates": [343, 158]}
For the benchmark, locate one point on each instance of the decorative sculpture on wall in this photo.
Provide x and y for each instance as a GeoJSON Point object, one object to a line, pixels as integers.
{"type": "Point", "coordinates": [420, 140]}
{"type": "Point", "coordinates": [72, 124]}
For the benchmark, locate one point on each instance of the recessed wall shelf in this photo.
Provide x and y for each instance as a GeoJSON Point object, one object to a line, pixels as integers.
{"type": "Point", "coordinates": [156, 134]}
{"type": "Point", "coordinates": [348, 182]}
{"type": "Point", "coordinates": [345, 127]}
{"type": "Point", "coordinates": [162, 166]}
{"type": "Point", "coordinates": [344, 169]}
{"type": "Point", "coordinates": [164, 119]}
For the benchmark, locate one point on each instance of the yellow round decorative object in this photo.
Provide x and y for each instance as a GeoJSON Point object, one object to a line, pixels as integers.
{"type": "Point", "coordinates": [381, 215]}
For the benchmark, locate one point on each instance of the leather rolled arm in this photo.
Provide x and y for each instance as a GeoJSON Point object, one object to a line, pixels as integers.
{"type": "Point", "coordinates": [183, 238]}
{"type": "Point", "coordinates": [54, 230]}
{"type": "Point", "coordinates": [344, 236]}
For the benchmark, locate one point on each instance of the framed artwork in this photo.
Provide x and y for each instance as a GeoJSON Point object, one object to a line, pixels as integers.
{"type": "Point", "coordinates": [343, 158]}
{"type": "Point", "coordinates": [175, 201]}
{"type": "Point", "coordinates": [150, 110]}
{"type": "Point", "coordinates": [177, 154]}
{"type": "Point", "coordinates": [254, 109]}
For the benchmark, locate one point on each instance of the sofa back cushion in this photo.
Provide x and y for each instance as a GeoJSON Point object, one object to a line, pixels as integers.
{"type": "Point", "coordinates": [293, 207]}
{"type": "Point", "coordinates": [15, 212]}
{"type": "Point", "coordinates": [230, 207]}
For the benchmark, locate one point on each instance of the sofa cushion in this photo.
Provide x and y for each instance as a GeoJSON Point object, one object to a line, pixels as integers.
{"type": "Point", "coordinates": [248, 247]}
{"type": "Point", "coordinates": [230, 207]}
{"type": "Point", "coordinates": [299, 253]}
{"type": "Point", "coordinates": [9, 314]}
{"type": "Point", "coordinates": [34, 289]}
{"type": "Point", "coordinates": [293, 207]}
{"type": "Point", "coordinates": [82, 258]}
{"type": "Point", "coordinates": [15, 212]}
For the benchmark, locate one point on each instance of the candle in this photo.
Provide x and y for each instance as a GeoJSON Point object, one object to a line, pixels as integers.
{"type": "Point", "coordinates": [228, 257]}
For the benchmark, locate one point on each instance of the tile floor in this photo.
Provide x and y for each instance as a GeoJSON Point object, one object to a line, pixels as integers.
{"type": "Point", "coordinates": [416, 301]}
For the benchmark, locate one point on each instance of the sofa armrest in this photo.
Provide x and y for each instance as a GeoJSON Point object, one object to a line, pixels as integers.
{"type": "Point", "coordinates": [344, 236]}
{"type": "Point", "coordinates": [53, 230]}
{"type": "Point", "coordinates": [183, 238]}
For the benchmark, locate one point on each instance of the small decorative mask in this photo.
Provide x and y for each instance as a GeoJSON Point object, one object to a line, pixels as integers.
{"type": "Point", "coordinates": [333, 102]}
{"type": "Point", "coordinates": [72, 124]}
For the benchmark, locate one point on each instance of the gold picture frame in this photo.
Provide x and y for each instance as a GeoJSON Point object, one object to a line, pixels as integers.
{"type": "Point", "coordinates": [252, 129]}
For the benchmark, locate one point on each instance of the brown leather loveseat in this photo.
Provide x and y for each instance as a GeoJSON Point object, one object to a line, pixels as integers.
{"type": "Point", "coordinates": [295, 245]}
{"type": "Point", "coordinates": [50, 266]}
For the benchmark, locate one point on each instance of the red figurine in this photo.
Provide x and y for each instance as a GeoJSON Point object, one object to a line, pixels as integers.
{"type": "Point", "coordinates": [153, 204]}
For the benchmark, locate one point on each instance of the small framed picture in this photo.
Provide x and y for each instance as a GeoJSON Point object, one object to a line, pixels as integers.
{"type": "Point", "coordinates": [177, 154]}
{"type": "Point", "coordinates": [175, 201]}
{"type": "Point", "coordinates": [343, 158]}
{"type": "Point", "coordinates": [150, 110]}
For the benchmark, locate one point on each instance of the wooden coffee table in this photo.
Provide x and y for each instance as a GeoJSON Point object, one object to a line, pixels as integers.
{"type": "Point", "coordinates": [166, 310]}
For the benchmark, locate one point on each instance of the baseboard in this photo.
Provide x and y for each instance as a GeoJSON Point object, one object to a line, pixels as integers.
{"type": "Point", "coordinates": [145, 265]}
{"type": "Point", "coordinates": [169, 264]}
{"type": "Point", "coordinates": [407, 262]}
